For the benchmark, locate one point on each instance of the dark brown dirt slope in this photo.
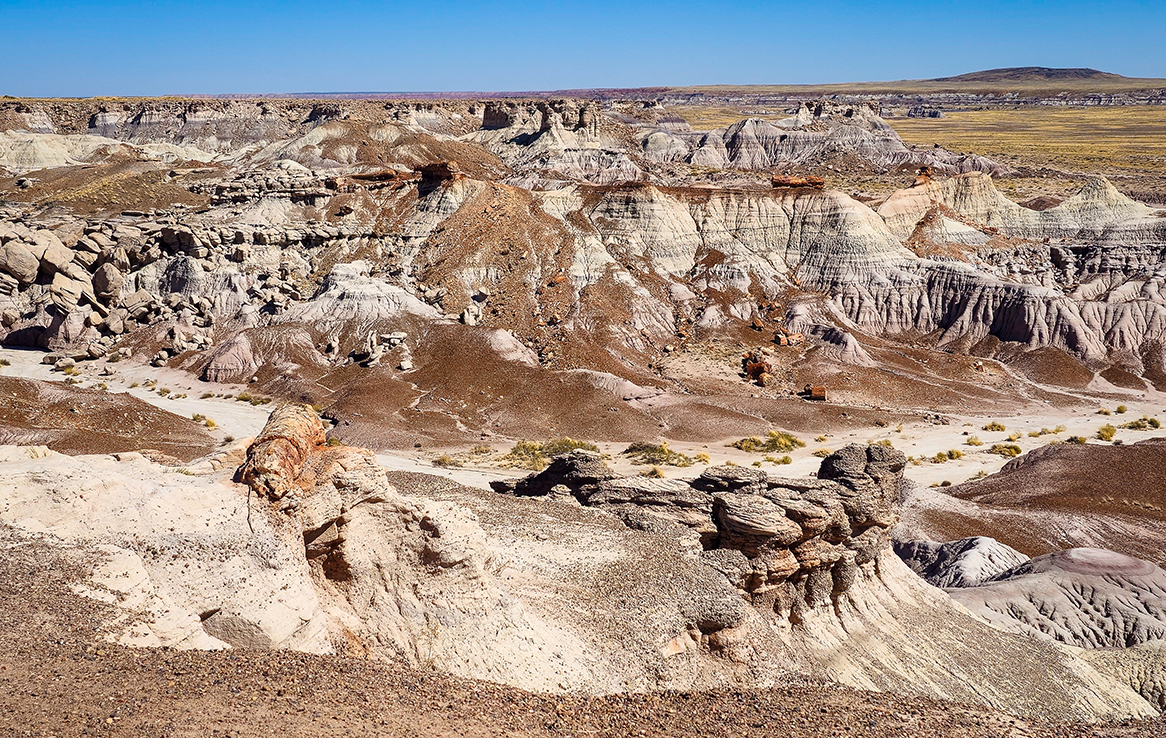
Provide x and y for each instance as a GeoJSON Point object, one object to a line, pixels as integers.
{"type": "Point", "coordinates": [84, 421]}
{"type": "Point", "coordinates": [1069, 495]}
{"type": "Point", "coordinates": [58, 679]}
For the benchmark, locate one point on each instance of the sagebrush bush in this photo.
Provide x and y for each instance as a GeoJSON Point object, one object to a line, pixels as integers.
{"type": "Point", "coordinates": [994, 426]}
{"type": "Point", "coordinates": [773, 441]}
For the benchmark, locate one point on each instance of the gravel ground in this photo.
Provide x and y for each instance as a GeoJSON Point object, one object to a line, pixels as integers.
{"type": "Point", "coordinates": [58, 678]}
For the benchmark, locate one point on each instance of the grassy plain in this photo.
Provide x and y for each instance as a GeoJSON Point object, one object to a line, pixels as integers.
{"type": "Point", "coordinates": [1129, 140]}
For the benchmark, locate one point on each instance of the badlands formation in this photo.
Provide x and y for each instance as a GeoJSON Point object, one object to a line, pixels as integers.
{"type": "Point", "coordinates": [275, 373]}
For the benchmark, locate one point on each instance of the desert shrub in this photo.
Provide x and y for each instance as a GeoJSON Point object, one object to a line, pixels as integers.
{"type": "Point", "coordinates": [939, 458]}
{"type": "Point", "coordinates": [334, 441]}
{"type": "Point", "coordinates": [653, 472]}
{"type": "Point", "coordinates": [72, 380]}
{"type": "Point", "coordinates": [1103, 411]}
{"type": "Point", "coordinates": [702, 457]}
{"type": "Point", "coordinates": [534, 455]}
{"type": "Point", "coordinates": [773, 441]}
{"type": "Point", "coordinates": [945, 483]}
{"type": "Point", "coordinates": [211, 423]}
{"type": "Point", "coordinates": [5, 362]}
{"type": "Point", "coordinates": [253, 399]}
{"type": "Point", "coordinates": [1120, 409]}
{"type": "Point", "coordinates": [1106, 432]}
{"type": "Point", "coordinates": [557, 446]}
{"type": "Point", "coordinates": [822, 453]}
{"type": "Point", "coordinates": [206, 395]}
{"type": "Point", "coordinates": [994, 426]}
{"type": "Point", "coordinates": [954, 454]}
{"type": "Point", "coordinates": [164, 391]}
{"type": "Point", "coordinates": [730, 462]}
{"type": "Point", "coordinates": [1141, 424]}
{"type": "Point", "coordinates": [1007, 450]}
{"type": "Point", "coordinates": [231, 439]}
{"type": "Point", "coordinates": [481, 450]}
{"type": "Point", "coordinates": [445, 461]}
{"type": "Point", "coordinates": [883, 442]}
{"type": "Point", "coordinates": [1014, 436]}
{"type": "Point", "coordinates": [151, 383]}
{"type": "Point", "coordinates": [102, 386]}
{"type": "Point", "coordinates": [198, 417]}
{"type": "Point", "coordinates": [757, 464]}
{"type": "Point", "coordinates": [974, 441]}
{"type": "Point", "coordinates": [820, 439]}
{"type": "Point", "coordinates": [133, 384]}
{"type": "Point", "coordinates": [1076, 439]}
{"type": "Point", "coordinates": [780, 460]}
{"type": "Point", "coordinates": [642, 452]}
{"type": "Point", "coordinates": [71, 371]}
{"type": "Point", "coordinates": [980, 474]}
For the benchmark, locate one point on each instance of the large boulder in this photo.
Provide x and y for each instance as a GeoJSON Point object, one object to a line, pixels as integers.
{"type": "Point", "coordinates": [19, 261]}
{"type": "Point", "coordinates": [53, 254]}
{"type": "Point", "coordinates": [108, 282]}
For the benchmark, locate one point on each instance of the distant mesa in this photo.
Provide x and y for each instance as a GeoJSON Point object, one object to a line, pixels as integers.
{"type": "Point", "coordinates": [1028, 73]}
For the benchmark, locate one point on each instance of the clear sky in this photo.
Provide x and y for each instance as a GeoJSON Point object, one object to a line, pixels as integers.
{"type": "Point", "coordinates": [138, 48]}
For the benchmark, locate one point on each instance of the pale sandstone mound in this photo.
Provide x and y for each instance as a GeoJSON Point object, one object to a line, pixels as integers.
{"type": "Point", "coordinates": [821, 131]}
{"type": "Point", "coordinates": [1143, 667]}
{"type": "Point", "coordinates": [1083, 596]}
{"type": "Point", "coordinates": [963, 563]}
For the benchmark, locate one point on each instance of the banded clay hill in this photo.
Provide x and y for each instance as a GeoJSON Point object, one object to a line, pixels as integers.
{"type": "Point", "coordinates": [571, 414]}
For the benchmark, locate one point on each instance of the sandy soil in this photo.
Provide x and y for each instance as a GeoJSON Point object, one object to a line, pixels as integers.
{"type": "Point", "coordinates": [919, 439]}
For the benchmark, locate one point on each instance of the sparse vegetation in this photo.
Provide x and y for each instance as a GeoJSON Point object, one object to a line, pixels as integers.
{"type": "Point", "coordinates": [643, 452]}
{"type": "Point", "coordinates": [481, 450]}
{"type": "Point", "coordinates": [882, 442]}
{"type": "Point", "coordinates": [954, 454]}
{"type": "Point", "coordinates": [653, 472]}
{"type": "Point", "coordinates": [1120, 409]}
{"type": "Point", "coordinates": [71, 371]}
{"type": "Point", "coordinates": [822, 453]}
{"type": "Point", "coordinates": [253, 399]}
{"type": "Point", "coordinates": [133, 384]}
{"type": "Point", "coordinates": [1007, 450]}
{"type": "Point", "coordinates": [994, 426]}
{"type": "Point", "coordinates": [206, 395]}
{"type": "Point", "coordinates": [974, 441]}
{"type": "Point", "coordinates": [939, 458]}
{"type": "Point", "coordinates": [1106, 432]}
{"type": "Point", "coordinates": [164, 391]}
{"type": "Point", "coordinates": [1142, 423]}
{"type": "Point", "coordinates": [210, 423]}
{"type": "Point", "coordinates": [5, 362]}
{"type": "Point", "coordinates": [535, 456]}
{"type": "Point", "coordinates": [1014, 436]}
{"type": "Point", "coordinates": [780, 460]}
{"type": "Point", "coordinates": [1103, 411]}
{"type": "Point", "coordinates": [446, 461]}
{"type": "Point", "coordinates": [1076, 439]}
{"type": "Point", "coordinates": [1046, 431]}
{"type": "Point", "coordinates": [820, 439]}
{"type": "Point", "coordinates": [334, 441]}
{"type": "Point", "coordinates": [773, 441]}
{"type": "Point", "coordinates": [703, 457]}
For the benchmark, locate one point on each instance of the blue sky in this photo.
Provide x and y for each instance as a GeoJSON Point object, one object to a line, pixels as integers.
{"type": "Point", "coordinates": [126, 48]}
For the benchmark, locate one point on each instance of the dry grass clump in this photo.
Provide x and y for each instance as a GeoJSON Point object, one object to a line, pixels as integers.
{"type": "Point", "coordinates": [702, 457]}
{"type": "Point", "coordinates": [1046, 431]}
{"type": "Point", "coordinates": [445, 461]}
{"type": "Point", "coordinates": [253, 399]}
{"type": "Point", "coordinates": [1007, 450]}
{"type": "Point", "coordinates": [1120, 409]}
{"type": "Point", "coordinates": [1141, 424]}
{"type": "Point", "coordinates": [1106, 432]}
{"type": "Point", "coordinates": [974, 441]}
{"type": "Point", "coordinates": [780, 460]}
{"type": "Point", "coordinates": [994, 426]}
{"type": "Point", "coordinates": [535, 456]}
{"type": "Point", "coordinates": [642, 452]}
{"type": "Point", "coordinates": [653, 472]}
{"type": "Point", "coordinates": [1077, 439]}
{"type": "Point", "coordinates": [774, 441]}
{"type": "Point", "coordinates": [822, 453]}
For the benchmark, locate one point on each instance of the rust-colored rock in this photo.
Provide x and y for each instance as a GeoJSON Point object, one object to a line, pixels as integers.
{"type": "Point", "coordinates": [276, 458]}
{"type": "Point", "coordinates": [782, 180]}
{"type": "Point", "coordinates": [815, 392]}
